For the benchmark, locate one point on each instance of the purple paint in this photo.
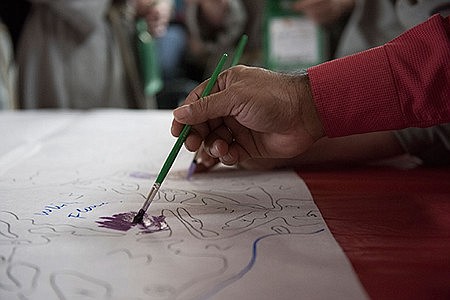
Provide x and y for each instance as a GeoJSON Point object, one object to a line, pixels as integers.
{"type": "Point", "coordinates": [157, 223]}
{"type": "Point", "coordinates": [191, 169]}
{"type": "Point", "coordinates": [142, 175]}
{"type": "Point", "coordinates": [124, 222]}
{"type": "Point", "coordinates": [120, 222]}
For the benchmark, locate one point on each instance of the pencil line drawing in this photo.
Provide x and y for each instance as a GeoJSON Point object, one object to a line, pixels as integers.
{"type": "Point", "coordinates": [245, 270]}
{"type": "Point", "coordinates": [216, 228]}
{"type": "Point", "coordinates": [73, 285]}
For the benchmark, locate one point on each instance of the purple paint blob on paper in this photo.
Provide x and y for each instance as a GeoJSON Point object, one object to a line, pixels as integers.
{"type": "Point", "coordinates": [124, 222]}
{"type": "Point", "coordinates": [120, 222]}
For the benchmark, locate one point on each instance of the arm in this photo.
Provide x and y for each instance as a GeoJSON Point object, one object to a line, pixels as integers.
{"type": "Point", "coordinates": [431, 145]}
{"type": "Point", "coordinates": [388, 87]}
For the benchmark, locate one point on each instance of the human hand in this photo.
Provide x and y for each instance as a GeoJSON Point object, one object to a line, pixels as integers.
{"type": "Point", "coordinates": [156, 13]}
{"type": "Point", "coordinates": [323, 11]}
{"type": "Point", "coordinates": [252, 113]}
{"type": "Point", "coordinates": [205, 162]}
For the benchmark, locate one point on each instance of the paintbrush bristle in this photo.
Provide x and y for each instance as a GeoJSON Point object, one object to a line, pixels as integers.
{"type": "Point", "coordinates": [139, 216]}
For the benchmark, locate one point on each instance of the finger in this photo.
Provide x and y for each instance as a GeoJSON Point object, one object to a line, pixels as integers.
{"type": "Point", "coordinates": [176, 128]}
{"type": "Point", "coordinates": [216, 143]}
{"type": "Point", "coordinates": [204, 161]}
{"type": "Point", "coordinates": [230, 159]}
{"type": "Point", "coordinates": [193, 141]}
{"type": "Point", "coordinates": [204, 110]}
{"type": "Point", "coordinates": [215, 147]}
{"type": "Point", "coordinates": [199, 133]}
{"type": "Point", "coordinates": [202, 129]}
{"type": "Point", "coordinates": [228, 154]}
{"type": "Point", "coordinates": [209, 107]}
{"type": "Point", "coordinates": [235, 155]}
{"type": "Point", "coordinates": [195, 94]}
{"type": "Point", "coordinates": [221, 132]}
{"type": "Point", "coordinates": [243, 137]}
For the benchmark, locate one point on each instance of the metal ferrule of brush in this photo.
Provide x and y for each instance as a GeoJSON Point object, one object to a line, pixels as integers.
{"type": "Point", "coordinates": [151, 195]}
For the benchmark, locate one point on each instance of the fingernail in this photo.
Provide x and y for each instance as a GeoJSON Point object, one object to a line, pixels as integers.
{"type": "Point", "coordinates": [227, 158]}
{"type": "Point", "coordinates": [215, 151]}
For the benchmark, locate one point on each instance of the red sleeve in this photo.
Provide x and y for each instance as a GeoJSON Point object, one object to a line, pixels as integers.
{"type": "Point", "coordinates": [404, 83]}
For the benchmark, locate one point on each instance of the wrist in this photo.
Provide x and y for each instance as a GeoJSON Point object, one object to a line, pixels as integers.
{"type": "Point", "coordinates": [309, 114]}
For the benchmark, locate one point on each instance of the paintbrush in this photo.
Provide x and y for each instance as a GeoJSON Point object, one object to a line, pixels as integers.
{"type": "Point", "coordinates": [236, 57]}
{"type": "Point", "coordinates": [176, 148]}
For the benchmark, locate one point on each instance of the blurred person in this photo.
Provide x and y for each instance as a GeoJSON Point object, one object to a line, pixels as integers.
{"type": "Point", "coordinates": [7, 70]}
{"type": "Point", "coordinates": [79, 54]}
{"type": "Point", "coordinates": [172, 49]}
{"type": "Point", "coordinates": [330, 15]}
{"type": "Point", "coordinates": [253, 54]}
{"type": "Point", "coordinates": [13, 15]}
{"type": "Point", "coordinates": [214, 26]}
{"type": "Point", "coordinates": [324, 12]}
{"type": "Point", "coordinates": [201, 31]}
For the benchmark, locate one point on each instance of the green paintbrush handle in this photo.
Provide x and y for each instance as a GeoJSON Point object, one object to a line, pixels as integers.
{"type": "Point", "coordinates": [239, 50]}
{"type": "Point", "coordinates": [184, 133]}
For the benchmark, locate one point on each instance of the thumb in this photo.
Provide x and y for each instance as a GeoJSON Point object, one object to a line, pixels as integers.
{"type": "Point", "coordinates": [207, 108]}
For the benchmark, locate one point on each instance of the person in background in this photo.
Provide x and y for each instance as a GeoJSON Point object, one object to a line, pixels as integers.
{"type": "Point", "coordinates": [172, 49]}
{"type": "Point", "coordinates": [253, 54]}
{"type": "Point", "coordinates": [7, 70]}
{"type": "Point", "coordinates": [324, 12]}
{"type": "Point", "coordinates": [331, 15]}
{"type": "Point", "coordinates": [200, 32]}
{"type": "Point", "coordinates": [13, 15]}
{"type": "Point", "coordinates": [214, 27]}
{"type": "Point", "coordinates": [258, 118]}
{"type": "Point", "coordinates": [80, 54]}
